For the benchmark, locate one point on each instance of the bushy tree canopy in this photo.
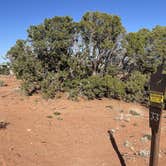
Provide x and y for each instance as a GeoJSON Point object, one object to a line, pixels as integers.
{"type": "Point", "coordinates": [95, 57]}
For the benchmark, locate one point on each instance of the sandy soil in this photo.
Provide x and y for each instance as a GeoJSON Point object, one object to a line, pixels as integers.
{"type": "Point", "coordinates": [38, 136]}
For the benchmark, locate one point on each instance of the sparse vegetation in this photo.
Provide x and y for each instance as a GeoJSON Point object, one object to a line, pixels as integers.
{"type": "Point", "coordinates": [134, 113]}
{"type": "Point", "coordinates": [57, 113]}
{"type": "Point", "coordinates": [147, 136]}
{"type": "Point", "coordinates": [49, 116]}
{"type": "Point", "coordinates": [2, 83]}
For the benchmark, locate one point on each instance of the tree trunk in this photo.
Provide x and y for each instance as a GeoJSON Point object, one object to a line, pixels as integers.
{"type": "Point", "coordinates": [94, 73]}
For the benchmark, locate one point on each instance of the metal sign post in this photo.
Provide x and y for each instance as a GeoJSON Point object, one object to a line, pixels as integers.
{"type": "Point", "coordinates": [157, 91]}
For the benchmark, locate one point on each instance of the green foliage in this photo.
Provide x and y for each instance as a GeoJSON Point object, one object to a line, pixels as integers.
{"type": "Point", "coordinates": [92, 87]}
{"type": "Point", "coordinates": [159, 40]}
{"type": "Point", "coordinates": [135, 87]}
{"type": "Point", "coordinates": [98, 87]}
{"type": "Point", "coordinates": [28, 87]}
{"type": "Point", "coordinates": [53, 83]}
{"type": "Point", "coordinates": [94, 58]}
{"type": "Point", "coordinates": [100, 33]}
{"type": "Point", "coordinates": [50, 85]}
{"type": "Point", "coordinates": [138, 50]}
{"type": "Point", "coordinates": [51, 41]}
{"type": "Point", "coordinates": [113, 70]}
{"type": "Point", "coordinates": [5, 69]}
{"type": "Point", "coordinates": [115, 87]}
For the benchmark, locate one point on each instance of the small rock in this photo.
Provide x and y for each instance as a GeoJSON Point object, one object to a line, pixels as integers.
{"type": "Point", "coordinates": [28, 130]}
{"type": "Point", "coordinates": [127, 120]}
{"type": "Point", "coordinates": [134, 113]}
{"type": "Point", "coordinates": [127, 144]}
{"type": "Point", "coordinates": [144, 153]}
{"type": "Point", "coordinates": [121, 117]}
{"type": "Point", "coordinates": [112, 131]}
{"type": "Point", "coordinates": [3, 124]}
{"type": "Point", "coordinates": [11, 148]}
{"type": "Point", "coordinates": [146, 137]}
{"type": "Point", "coordinates": [117, 128]}
{"type": "Point", "coordinates": [109, 106]}
{"type": "Point", "coordinates": [18, 154]}
{"type": "Point", "coordinates": [59, 118]}
{"type": "Point", "coordinates": [17, 89]}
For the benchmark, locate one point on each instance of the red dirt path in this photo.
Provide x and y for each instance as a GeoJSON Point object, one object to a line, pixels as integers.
{"type": "Point", "coordinates": [77, 137]}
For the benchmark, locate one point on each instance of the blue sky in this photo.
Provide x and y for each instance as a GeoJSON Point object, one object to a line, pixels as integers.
{"type": "Point", "coordinates": [18, 15]}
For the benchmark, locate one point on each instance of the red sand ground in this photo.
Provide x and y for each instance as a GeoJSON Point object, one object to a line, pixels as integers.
{"type": "Point", "coordinates": [77, 137]}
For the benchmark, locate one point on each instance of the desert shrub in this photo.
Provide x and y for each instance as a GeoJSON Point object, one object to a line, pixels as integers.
{"type": "Point", "coordinates": [135, 87]}
{"type": "Point", "coordinates": [49, 85]}
{"type": "Point", "coordinates": [73, 88]}
{"type": "Point", "coordinates": [73, 94]}
{"type": "Point", "coordinates": [4, 69]}
{"type": "Point", "coordinates": [114, 87]}
{"type": "Point", "coordinates": [93, 87]}
{"type": "Point", "coordinates": [2, 83]}
{"type": "Point", "coordinates": [97, 87]}
{"type": "Point", "coordinates": [28, 87]}
{"type": "Point", "coordinates": [53, 83]}
{"type": "Point", "coordinates": [113, 70]}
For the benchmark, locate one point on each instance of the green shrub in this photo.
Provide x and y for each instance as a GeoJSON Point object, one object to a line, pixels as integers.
{"type": "Point", "coordinates": [135, 87]}
{"type": "Point", "coordinates": [73, 94]}
{"type": "Point", "coordinates": [4, 69]}
{"type": "Point", "coordinates": [114, 87]}
{"type": "Point", "coordinates": [93, 87]}
{"type": "Point", "coordinates": [113, 70]}
{"type": "Point", "coordinates": [49, 86]}
{"type": "Point", "coordinates": [28, 87]}
{"type": "Point", "coordinates": [97, 87]}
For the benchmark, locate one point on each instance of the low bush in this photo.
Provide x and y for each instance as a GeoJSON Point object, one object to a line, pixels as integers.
{"type": "Point", "coordinates": [49, 86]}
{"type": "Point", "coordinates": [53, 83]}
{"type": "Point", "coordinates": [97, 87]}
{"type": "Point", "coordinates": [115, 87]}
{"type": "Point", "coordinates": [93, 87]}
{"type": "Point", "coordinates": [136, 89]}
{"type": "Point", "coordinates": [4, 69]}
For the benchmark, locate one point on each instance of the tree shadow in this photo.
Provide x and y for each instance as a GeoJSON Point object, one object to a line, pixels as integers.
{"type": "Point", "coordinates": [112, 139]}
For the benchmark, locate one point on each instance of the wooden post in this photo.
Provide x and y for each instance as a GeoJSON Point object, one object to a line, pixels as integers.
{"type": "Point", "coordinates": [155, 141]}
{"type": "Point", "coordinates": [157, 91]}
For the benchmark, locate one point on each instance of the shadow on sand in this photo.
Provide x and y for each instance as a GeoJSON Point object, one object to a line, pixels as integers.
{"type": "Point", "coordinates": [112, 139]}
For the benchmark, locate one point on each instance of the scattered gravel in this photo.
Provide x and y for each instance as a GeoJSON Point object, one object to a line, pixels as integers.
{"type": "Point", "coordinates": [146, 138]}
{"type": "Point", "coordinates": [144, 153]}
